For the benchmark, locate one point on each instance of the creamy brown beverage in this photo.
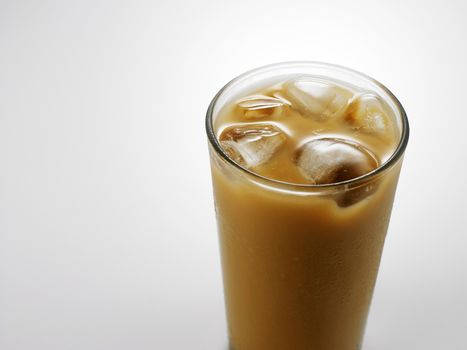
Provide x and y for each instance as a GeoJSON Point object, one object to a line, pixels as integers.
{"type": "Point", "coordinates": [305, 159]}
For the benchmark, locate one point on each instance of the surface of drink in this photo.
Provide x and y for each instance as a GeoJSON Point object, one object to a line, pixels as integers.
{"type": "Point", "coordinates": [303, 208]}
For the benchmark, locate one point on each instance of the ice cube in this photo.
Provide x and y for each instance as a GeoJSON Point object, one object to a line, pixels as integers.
{"type": "Point", "coordinates": [317, 98]}
{"type": "Point", "coordinates": [366, 113]}
{"type": "Point", "coordinates": [251, 145]}
{"type": "Point", "coordinates": [281, 97]}
{"type": "Point", "coordinates": [332, 160]}
{"type": "Point", "coordinates": [259, 106]}
{"type": "Point", "coordinates": [355, 195]}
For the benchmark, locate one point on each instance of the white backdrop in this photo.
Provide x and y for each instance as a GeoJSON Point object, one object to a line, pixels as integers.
{"type": "Point", "coordinates": [107, 231]}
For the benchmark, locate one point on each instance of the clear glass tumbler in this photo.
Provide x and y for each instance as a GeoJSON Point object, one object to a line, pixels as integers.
{"type": "Point", "coordinates": [298, 269]}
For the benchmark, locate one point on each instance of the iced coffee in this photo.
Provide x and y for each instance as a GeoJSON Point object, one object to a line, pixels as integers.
{"type": "Point", "coordinates": [305, 160]}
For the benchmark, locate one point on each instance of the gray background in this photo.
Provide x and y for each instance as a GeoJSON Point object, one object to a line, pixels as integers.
{"type": "Point", "coordinates": [107, 231]}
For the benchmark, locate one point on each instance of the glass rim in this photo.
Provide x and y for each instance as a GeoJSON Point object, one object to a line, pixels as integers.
{"type": "Point", "coordinates": [392, 160]}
